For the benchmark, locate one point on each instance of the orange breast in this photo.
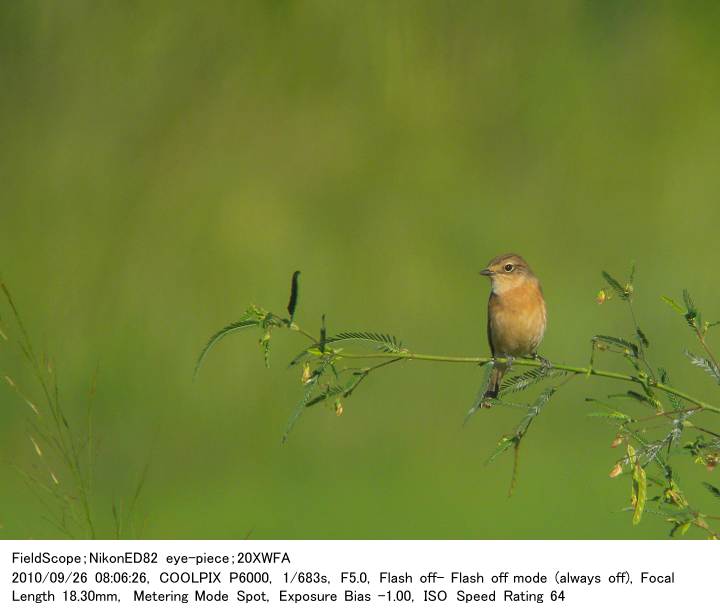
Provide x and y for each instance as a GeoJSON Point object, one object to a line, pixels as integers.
{"type": "Point", "coordinates": [517, 320]}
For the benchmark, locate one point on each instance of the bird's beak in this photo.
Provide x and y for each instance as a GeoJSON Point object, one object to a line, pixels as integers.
{"type": "Point", "coordinates": [486, 272]}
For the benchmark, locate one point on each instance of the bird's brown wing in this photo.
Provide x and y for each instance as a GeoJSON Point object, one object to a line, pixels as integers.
{"type": "Point", "coordinates": [489, 333]}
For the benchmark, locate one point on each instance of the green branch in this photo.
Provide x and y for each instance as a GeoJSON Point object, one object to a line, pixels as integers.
{"type": "Point", "coordinates": [586, 370]}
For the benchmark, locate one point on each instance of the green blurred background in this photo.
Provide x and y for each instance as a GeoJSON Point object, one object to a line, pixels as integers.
{"type": "Point", "coordinates": [164, 164]}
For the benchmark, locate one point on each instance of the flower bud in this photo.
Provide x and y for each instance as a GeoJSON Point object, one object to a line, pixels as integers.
{"type": "Point", "coordinates": [305, 374]}
{"type": "Point", "coordinates": [616, 470]}
{"type": "Point", "coordinates": [617, 441]}
{"type": "Point", "coordinates": [601, 297]}
{"type": "Point", "coordinates": [338, 407]}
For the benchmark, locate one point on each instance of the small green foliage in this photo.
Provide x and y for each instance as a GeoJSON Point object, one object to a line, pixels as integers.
{"type": "Point", "coordinates": [642, 338]}
{"type": "Point", "coordinates": [503, 445]}
{"type": "Point", "coordinates": [615, 285]}
{"type": "Point", "coordinates": [532, 411]}
{"type": "Point", "coordinates": [614, 416]}
{"type": "Point", "coordinates": [665, 380]}
{"type": "Point", "coordinates": [708, 366]}
{"type": "Point", "coordinates": [252, 317]}
{"type": "Point", "coordinates": [712, 489]}
{"type": "Point", "coordinates": [480, 398]}
{"type": "Point", "coordinates": [673, 304]}
{"type": "Point", "coordinates": [527, 379]}
{"type": "Point", "coordinates": [385, 342]}
{"type": "Point", "coordinates": [690, 310]}
{"type": "Point", "coordinates": [639, 397]}
{"type": "Point", "coordinates": [616, 343]}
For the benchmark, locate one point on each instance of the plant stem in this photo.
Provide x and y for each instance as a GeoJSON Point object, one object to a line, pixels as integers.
{"type": "Point", "coordinates": [705, 346]}
{"type": "Point", "coordinates": [481, 361]}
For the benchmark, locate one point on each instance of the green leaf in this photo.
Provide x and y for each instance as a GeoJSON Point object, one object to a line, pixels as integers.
{"type": "Point", "coordinates": [386, 342]}
{"type": "Point", "coordinates": [616, 286]}
{"type": "Point", "coordinates": [503, 445]}
{"type": "Point", "coordinates": [638, 397]}
{"type": "Point", "coordinates": [330, 392]}
{"type": "Point", "coordinates": [528, 378]}
{"type": "Point", "coordinates": [640, 491]}
{"type": "Point", "coordinates": [673, 304]}
{"type": "Point", "coordinates": [292, 304]}
{"type": "Point", "coordinates": [712, 489]}
{"type": "Point", "coordinates": [534, 410]}
{"type": "Point", "coordinates": [614, 415]}
{"type": "Point", "coordinates": [308, 390]}
{"type": "Point", "coordinates": [642, 338]}
{"type": "Point", "coordinates": [300, 356]}
{"type": "Point", "coordinates": [218, 336]}
{"type": "Point", "coordinates": [481, 392]}
{"type": "Point", "coordinates": [665, 380]}
{"type": "Point", "coordinates": [689, 304]}
{"type": "Point", "coordinates": [707, 365]}
{"type": "Point", "coordinates": [618, 342]}
{"type": "Point", "coordinates": [299, 409]}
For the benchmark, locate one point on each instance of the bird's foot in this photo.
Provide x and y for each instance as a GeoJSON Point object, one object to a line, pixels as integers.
{"type": "Point", "coordinates": [545, 364]}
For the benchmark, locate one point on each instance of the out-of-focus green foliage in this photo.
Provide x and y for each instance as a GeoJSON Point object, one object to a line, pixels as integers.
{"type": "Point", "coordinates": [166, 164]}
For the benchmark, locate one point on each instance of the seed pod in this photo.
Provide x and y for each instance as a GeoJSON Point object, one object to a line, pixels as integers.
{"type": "Point", "coordinates": [617, 441]}
{"type": "Point", "coordinates": [616, 470]}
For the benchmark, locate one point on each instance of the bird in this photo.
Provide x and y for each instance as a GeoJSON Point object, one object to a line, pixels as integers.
{"type": "Point", "coordinates": [517, 316]}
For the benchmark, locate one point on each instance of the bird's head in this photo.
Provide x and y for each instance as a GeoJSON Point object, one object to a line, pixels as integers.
{"type": "Point", "coordinates": [507, 272]}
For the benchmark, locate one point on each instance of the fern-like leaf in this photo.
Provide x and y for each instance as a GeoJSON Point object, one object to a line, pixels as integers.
{"type": "Point", "coordinates": [307, 397]}
{"type": "Point", "coordinates": [479, 399]}
{"type": "Point", "coordinates": [503, 445]}
{"type": "Point", "coordinates": [616, 286]}
{"type": "Point", "coordinates": [527, 379]}
{"type": "Point", "coordinates": [665, 380]}
{"type": "Point", "coordinates": [618, 343]}
{"type": "Point", "coordinates": [299, 409]}
{"type": "Point", "coordinates": [638, 397]}
{"type": "Point", "coordinates": [330, 392]}
{"type": "Point", "coordinates": [218, 336]}
{"type": "Point", "coordinates": [673, 304]}
{"type": "Point", "coordinates": [386, 342]}
{"type": "Point", "coordinates": [705, 364]}
{"type": "Point", "coordinates": [534, 410]}
{"type": "Point", "coordinates": [712, 489]}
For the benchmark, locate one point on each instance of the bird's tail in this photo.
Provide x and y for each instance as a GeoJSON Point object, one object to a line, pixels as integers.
{"type": "Point", "coordinates": [493, 388]}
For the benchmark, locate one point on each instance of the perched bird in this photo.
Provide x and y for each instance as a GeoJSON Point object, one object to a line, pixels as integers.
{"type": "Point", "coordinates": [516, 314]}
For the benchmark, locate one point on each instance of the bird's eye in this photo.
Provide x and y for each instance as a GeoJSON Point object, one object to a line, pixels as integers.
{"type": "Point", "coordinates": [509, 267]}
